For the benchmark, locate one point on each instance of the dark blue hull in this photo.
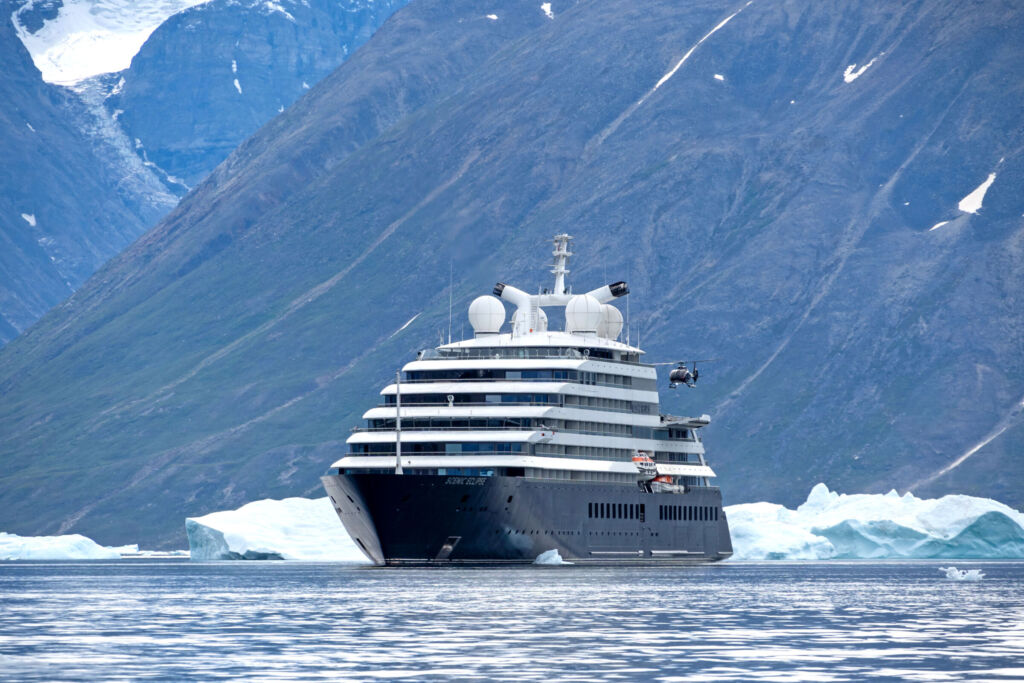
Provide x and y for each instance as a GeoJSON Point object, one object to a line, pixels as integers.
{"type": "Point", "coordinates": [437, 519]}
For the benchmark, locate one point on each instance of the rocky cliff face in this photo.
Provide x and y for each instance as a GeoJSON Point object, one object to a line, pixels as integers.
{"type": "Point", "coordinates": [766, 176]}
{"type": "Point", "coordinates": [120, 149]}
{"type": "Point", "coordinates": [64, 207]}
{"type": "Point", "coordinates": [210, 76]}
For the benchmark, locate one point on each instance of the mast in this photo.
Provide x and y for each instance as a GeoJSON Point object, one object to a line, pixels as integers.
{"type": "Point", "coordinates": [561, 254]}
{"type": "Point", "coordinates": [398, 422]}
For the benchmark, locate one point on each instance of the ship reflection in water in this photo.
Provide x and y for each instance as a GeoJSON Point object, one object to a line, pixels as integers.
{"type": "Point", "coordinates": [296, 621]}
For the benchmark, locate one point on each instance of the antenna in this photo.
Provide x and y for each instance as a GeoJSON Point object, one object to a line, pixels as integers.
{"type": "Point", "coordinates": [449, 301]}
{"type": "Point", "coordinates": [398, 422]}
{"type": "Point", "coordinates": [561, 254]}
{"type": "Point", "coordinates": [629, 269]}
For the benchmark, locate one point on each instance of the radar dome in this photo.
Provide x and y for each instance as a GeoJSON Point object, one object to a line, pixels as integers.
{"type": "Point", "coordinates": [520, 320]}
{"type": "Point", "coordinates": [486, 315]}
{"type": "Point", "coordinates": [611, 322]}
{"type": "Point", "coordinates": [582, 314]}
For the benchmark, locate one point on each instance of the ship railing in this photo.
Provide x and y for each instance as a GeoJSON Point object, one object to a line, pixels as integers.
{"type": "Point", "coordinates": [558, 380]}
{"type": "Point", "coordinates": [539, 454]}
{"type": "Point", "coordinates": [516, 353]}
{"type": "Point", "coordinates": [407, 403]}
{"type": "Point", "coordinates": [470, 428]}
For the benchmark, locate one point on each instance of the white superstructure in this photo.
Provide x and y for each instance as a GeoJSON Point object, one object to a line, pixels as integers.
{"type": "Point", "coordinates": [573, 404]}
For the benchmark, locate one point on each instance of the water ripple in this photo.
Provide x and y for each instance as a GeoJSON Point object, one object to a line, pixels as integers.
{"type": "Point", "coordinates": [291, 621]}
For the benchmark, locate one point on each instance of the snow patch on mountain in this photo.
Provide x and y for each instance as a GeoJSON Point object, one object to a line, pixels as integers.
{"type": "Point", "coordinates": [852, 73]}
{"type": "Point", "coordinates": [91, 37]}
{"type": "Point", "coordinates": [275, 7]}
{"type": "Point", "coordinates": [972, 202]}
{"type": "Point", "coordinates": [874, 526]}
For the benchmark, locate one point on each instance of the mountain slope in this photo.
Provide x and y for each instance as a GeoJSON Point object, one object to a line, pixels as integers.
{"type": "Point", "coordinates": [768, 197]}
{"type": "Point", "coordinates": [210, 76]}
{"type": "Point", "coordinates": [63, 209]}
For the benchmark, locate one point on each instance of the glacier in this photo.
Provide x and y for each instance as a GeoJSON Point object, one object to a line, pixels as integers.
{"type": "Point", "coordinates": [288, 529]}
{"type": "Point", "coordinates": [69, 547]}
{"type": "Point", "coordinates": [830, 525]}
{"type": "Point", "coordinates": [91, 37]}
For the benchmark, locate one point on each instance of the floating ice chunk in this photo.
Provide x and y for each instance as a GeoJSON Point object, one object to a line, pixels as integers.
{"type": "Point", "coordinates": [238, 86]}
{"type": "Point", "coordinates": [875, 526]}
{"type": "Point", "coordinates": [30, 127]}
{"type": "Point", "coordinates": [305, 86]}
{"type": "Point", "coordinates": [546, 8]}
{"type": "Point", "coordinates": [550, 557]}
{"type": "Point", "coordinates": [69, 547]}
{"type": "Point", "coordinates": [972, 202]}
{"type": "Point", "coordinates": [937, 225]}
{"type": "Point", "coordinates": [492, 17]}
{"type": "Point", "coordinates": [289, 529]}
{"type": "Point", "coordinates": [852, 73]}
{"type": "Point", "coordinates": [29, 218]}
{"type": "Point", "coordinates": [955, 574]}
{"type": "Point", "coordinates": [234, 66]}
{"type": "Point", "coordinates": [719, 77]}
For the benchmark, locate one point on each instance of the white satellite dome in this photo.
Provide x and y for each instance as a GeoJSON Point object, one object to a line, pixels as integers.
{"type": "Point", "coordinates": [611, 322]}
{"type": "Point", "coordinates": [520, 320]}
{"type": "Point", "coordinates": [582, 314]}
{"type": "Point", "coordinates": [486, 315]}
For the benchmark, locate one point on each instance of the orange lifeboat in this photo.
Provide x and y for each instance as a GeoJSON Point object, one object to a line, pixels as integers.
{"type": "Point", "coordinates": [645, 467]}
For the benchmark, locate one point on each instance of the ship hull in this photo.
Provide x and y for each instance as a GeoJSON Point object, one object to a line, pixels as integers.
{"type": "Point", "coordinates": [438, 519]}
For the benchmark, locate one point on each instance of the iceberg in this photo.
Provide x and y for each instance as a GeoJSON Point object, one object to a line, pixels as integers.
{"type": "Point", "coordinates": [550, 557]}
{"type": "Point", "coordinates": [289, 529]}
{"type": "Point", "coordinates": [69, 547]}
{"type": "Point", "coordinates": [954, 574]}
{"type": "Point", "coordinates": [874, 526]}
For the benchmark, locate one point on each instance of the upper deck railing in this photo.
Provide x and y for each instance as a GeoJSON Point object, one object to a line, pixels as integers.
{"type": "Point", "coordinates": [529, 352]}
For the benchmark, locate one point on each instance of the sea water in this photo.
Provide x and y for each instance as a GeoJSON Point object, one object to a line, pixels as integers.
{"type": "Point", "coordinates": [825, 621]}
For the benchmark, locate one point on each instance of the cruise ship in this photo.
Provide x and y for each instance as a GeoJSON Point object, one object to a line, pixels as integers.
{"type": "Point", "coordinates": [524, 440]}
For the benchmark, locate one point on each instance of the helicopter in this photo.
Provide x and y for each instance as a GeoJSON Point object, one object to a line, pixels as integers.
{"type": "Point", "coordinates": [684, 375]}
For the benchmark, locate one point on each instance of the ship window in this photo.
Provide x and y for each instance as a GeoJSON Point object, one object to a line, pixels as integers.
{"type": "Point", "coordinates": [643, 509]}
{"type": "Point", "coordinates": [590, 510]}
